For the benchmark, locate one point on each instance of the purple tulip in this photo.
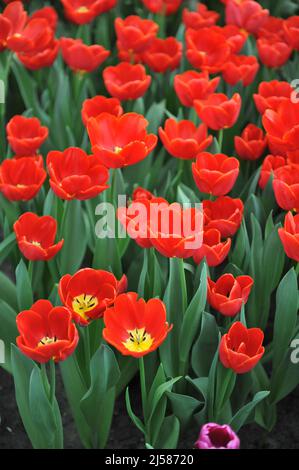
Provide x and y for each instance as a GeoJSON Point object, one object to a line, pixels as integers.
{"type": "Point", "coordinates": [215, 436]}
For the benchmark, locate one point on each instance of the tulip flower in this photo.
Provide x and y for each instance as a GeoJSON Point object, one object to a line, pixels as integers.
{"type": "Point", "coordinates": [164, 7]}
{"type": "Point", "coordinates": [289, 236]}
{"type": "Point", "coordinates": [25, 135]}
{"type": "Point", "coordinates": [36, 36]}
{"type": "Point", "coordinates": [240, 68]}
{"type": "Point", "coordinates": [213, 249]}
{"type": "Point", "coordinates": [84, 11]}
{"type": "Point", "coordinates": [192, 85]}
{"type": "Point", "coordinates": [271, 94]}
{"type": "Point", "coordinates": [21, 178]}
{"type": "Point", "coordinates": [291, 30]}
{"type": "Point", "coordinates": [80, 57]}
{"type": "Point", "coordinates": [134, 33]}
{"type": "Point", "coordinates": [286, 187]}
{"type": "Point", "coordinates": [93, 107]}
{"type": "Point", "coordinates": [200, 18]}
{"type": "Point", "coordinates": [120, 141]}
{"type": "Point", "coordinates": [269, 166]}
{"type": "Point", "coordinates": [36, 235]}
{"type": "Point", "coordinates": [224, 214]}
{"type": "Point", "coordinates": [163, 54]}
{"type": "Point", "coordinates": [273, 52]}
{"type": "Point", "coordinates": [126, 81]}
{"type": "Point", "coordinates": [248, 15]}
{"type": "Point", "coordinates": [228, 294]}
{"type": "Point", "coordinates": [41, 59]}
{"type": "Point", "coordinates": [135, 327]}
{"type": "Point", "coordinates": [47, 13]}
{"type": "Point", "coordinates": [12, 22]}
{"type": "Point", "coordinates": [89, 292]}
{"type": "Point", "coordinates": [216, 436]}
{"type": "Point", "coordinates": [234, 37]}
{"type": "Point", "coordinates": [241, 348]}
{"type": "Point", "coordinates": [46, 332]}
{"type": "Point", "coordinates": [217, 111]}
{"type": "Point", "coordinates": [182, 139]}
{"type": "Point", "coordinates": [141, 193]}
{"type": "Point", "coordinates": [215, 173]}
{"type": "Point", "coordinates": [76, 175]}
{"type": "Point", "coordinates": [207, 49]}
{"type": "Point", "coordinates": [251, 144]}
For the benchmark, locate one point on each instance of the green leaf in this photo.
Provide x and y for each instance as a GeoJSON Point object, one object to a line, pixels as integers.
{"type": "Point", "coordinates": [240, 418]}
{"type": "Point", "coordinates": [155, 115]}
{"type": "Point", "coordinates": [24, 289]}
{"type": "Point", "coordinates": [138, 423]}
{"type": "Point", "coordinates": [8, 331]}
{"type": "Point", "coordinates": [6, 246]}
{"type": "Point", "coordinates": [206, 345]}
{"type": "Point", "coordinates": [169, 435]}
{"type": "Point", "coordinates": [183, 407]}
{"type": "Point", "coordinates": [8, 292]}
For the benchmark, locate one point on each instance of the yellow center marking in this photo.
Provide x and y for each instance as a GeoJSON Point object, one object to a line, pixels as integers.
{"type": "Point", "coordinates": [47, 340]}
{"type": "Point", "coordinates": [84, 303]}
{"type": "Point", "coordinates": [139, 340]}
{"type": "Point", "coordinates": [82, 10]}
{"type": "Point", "coordinates": [117, 149]}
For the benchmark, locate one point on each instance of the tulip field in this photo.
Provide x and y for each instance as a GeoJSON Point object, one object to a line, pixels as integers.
{"type": "Point", "coordinates": [149, 227]}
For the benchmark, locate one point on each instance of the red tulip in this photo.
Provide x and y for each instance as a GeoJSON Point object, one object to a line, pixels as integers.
{"type": "Point", "coordinates": [213, 249]}
{"type": "Point", "coordinates": [269, 166]}
{"type": "Point", "coordinates": [166, 7]}
{"type": "Point", "coordinates": [163, 54]}
{"type": "Point", "coordinates": [120, 141]}
{"type": "Point", "coordinates": [192, 85]}
{"type": "Point", "coordinates": [200, 18]}
{"type": "Point", "coordinates": [228, 294]}
{"type": "Point", "coordinates": [248, 15]}
{"type": "Point", "coordinates": [224, 214]}
{"type": "Point", "coordinates": [134, 33]}
{"type": "Point", "coordinates": [82, 58]}
{"type": "Point", "coordinates": [240, 68]}
{"type": "Point", "coordinates": [126, 81]}
{"type": "Point", "coordinates": [241, 348]}
{"type": "Point", "coordinates": [25, 135]}
{"type": "Point", "coordinates": [12, 22]}
{"type": "Point", "coordinates": [291, 30]}
{"type": "Point", "coordinates": [89, 292]}
{"type": "Point", "coordinates": [141, 193]}
{"type": "Point", "coordinates": [46, 332]}
{"type": "Point", "coordinates": [207, 49]}
{"type": "Point", "coordinates": [36, 36]}
{"type": "Point", "coordinates": [251, 144]}
{"type": "Point", "coordinates": [273, 27]}
{"type": "Point", "coordinates": [215, 173]}
{"type": "Point", "coordinates": [289, 236]}
{"type": "Point", "coordinates": [272, 94]}
{"type": "Point", "coordinates": [218, 111]}
{"type": "Point", "coordinates": [273, 52]}
{"type": "Point", "coordinates": [286, 187]}
{"type": "Point", "coordinates": [97, 105]}
{"type": "Point", "coordinates": [234, 36]}
{"type": "Point", "coordinates": [136, 327]}
{"type": "Point", "coordinates": [21, 178]}
{"type": "Point", "coordinates": [36, 235]}
{"type": "Point", "coordinates": [84, 11]}
{"type": "Point", "coordinates": [293, 158]}
{"type": "Point", "coordinates": [49, 14]}
{"type": "Point", "coordinates": [39, 60]}
{"type": "Point", "coordinates": [182, 139]}
{"type": "Point", "coordinates": [76, 175]}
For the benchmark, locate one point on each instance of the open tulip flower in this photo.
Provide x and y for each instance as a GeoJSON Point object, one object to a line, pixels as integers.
{"type": "Point", "coordinates": [291, 30]}
{"type": "Point", "coordinates": [36, 235]}
{"type": "Point", "coordinates": [191, 85]}
{"type": "Point", "coordinates": [80, 57]}
{"type": "Point", "coordinates": [46, 332]}
{"type": "Point", "coordinates": [286, 187]}
{"type": "Point", "coordinates": [97, 105]}
{"type": "Point", "coordinates": [289, 236]}
{"type": "Point", "coordinates": [213, 249]}
{"type": "Point", "coordinates": [228, 294]}
{"type": "Point", "coordinates": [218, 111]}
{"type": "Point", "coordinates": [89, 292]}
{"type": "Point", "coordinates": [135, 327]}
{"type": "Point", "coordinates": [282, 127]}
{"type": "Point", "coordinates": [251, 144]}
{"type": "Point", "coordinates": [241, 348]}
{"type": "Point", "coordinates": [271, 94]}
{"type": "Point", "coordinates": [248, 15]}
{"type": "Point", "coordinates": [224, 214]}
{"type": "Point", "coordinates": [216, 436]}
{"type": "Point", "coordinates": [84, 11]}
{"type": "Point", "coordinates": [120, 141]}
{"type": "Point", "coordinates": [240, 68]}
{"type": "Point", "coordinates": [126, 81]}
{"type": "Point", "coordinates": [200, 18]}
{"type": "Point", "coordinates": [165, 7]}
{"type": "Point", "coordinates": [25, 135]}
{"type": "Point", "coordinates": [134, 33]}
{"type": "Point", "coordinates": [163, 55]}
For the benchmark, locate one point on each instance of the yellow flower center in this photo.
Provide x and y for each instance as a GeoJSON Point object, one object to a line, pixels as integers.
{"type": "Point", "coordinates": [84, 303]}
{"type": "Point", "coordinates": [139, 340]}
{"type": "Point", "coordinates": [117, 149]}
{"type": "Point", "coordinates": [35, 243]}
{"type": "Point", "coordinates": [47, 340]}
{"type": "Point", "coordinates": [82, 10]}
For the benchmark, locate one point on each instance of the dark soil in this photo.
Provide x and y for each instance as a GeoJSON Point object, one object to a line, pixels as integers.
{"type": "Point", "coordinates": [125, 436]}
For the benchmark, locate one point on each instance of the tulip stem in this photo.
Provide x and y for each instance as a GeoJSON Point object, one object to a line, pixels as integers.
{"type": "Point", "coordinates": [220, 139]}
{"type": "Point", "coordinates": [52, 381]}
{"type": "Point", "coordinates": [143, 393]}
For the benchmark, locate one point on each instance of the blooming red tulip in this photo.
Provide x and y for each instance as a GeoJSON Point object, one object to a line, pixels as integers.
{"type": "Point", "coordinates": [269, 166]}
{"type": "Point", "coordinates": [25, 135]}
{"type": "Point", "coordinates": [84, 11]}
{"type": "Point", "coordinates": [163, 54]}
{"type": "Point", "coordinates": [166, 7]}
{"type": "Point", "coordinates": [282, 128]}
{"type": "Point", "coordinates": [46, 332]}
{"type": "Point", "coordinates": [248, 15]}
{"type": "Point", "coordinates": [134, 33]}
{"type": "Point", "coordinates": [21, 178]}
{"type": "Point", "coordinates": [192, 85]}
{"type": "Point", "coordinates": [240, 68]}
{"type": "Point", "coordinates": [291, 30]}
{"type": "Point", "coordinates": [76, 175]}
{"type": "Point", "coordinates": [120, 141]}
{"type": "Point", "coordinates": [207, 49]}
{"type": "Point", "coordinates": [182, 139]}
{"type": "Point", "coordinates": [213, 249]}
{"type": "Point", "coordinates": [41, 59]}
{"type": "Point", "coordinates": [93, 107]}
{"type": "Point", "coordinates": [80, 57]}
{"type": "Point", "coordinates": [273, 52]}
{"type": "Point", "coordinates": [218, 111]}
{"type": "Point", "coordinates": [234, 36]}
{"type": "Point", "coordinates": [272, 94]}
{"type": "Point", "coordinates": [286, 187]}
{"type": "Point", "coordinates": [136, 327]}
{"type": "Point", "coordinates": [289, 236]}
{"type": "Point", "coordinates": [36, 36]}
{"type": "Point", "coordinates": [126, 81]}
{"type": "Point", "coordinates": [36, 235]}
{"type": "Point", "coordinates": [224, 214]}
{"type": "Point", "coordinates": [241, 348]}
{"type": "Point", "coordinates": [12, 22]}
{"type": "Point", "coordinates": [251, 144]}
{"type": "Point", "coordinates": [215, 173]}
{"type": "Point", "coordinates": [47, 13]}
{"type": "Point", "coordinates": [89, 292]}
{"type": "Point", "coordinates": [228, 294]}
{"type": "Point", "coordinates": [200, 18]}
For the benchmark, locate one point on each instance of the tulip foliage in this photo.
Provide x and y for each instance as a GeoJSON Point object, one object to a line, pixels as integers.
{"type": "Point", "coordinates": [190, 111]}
